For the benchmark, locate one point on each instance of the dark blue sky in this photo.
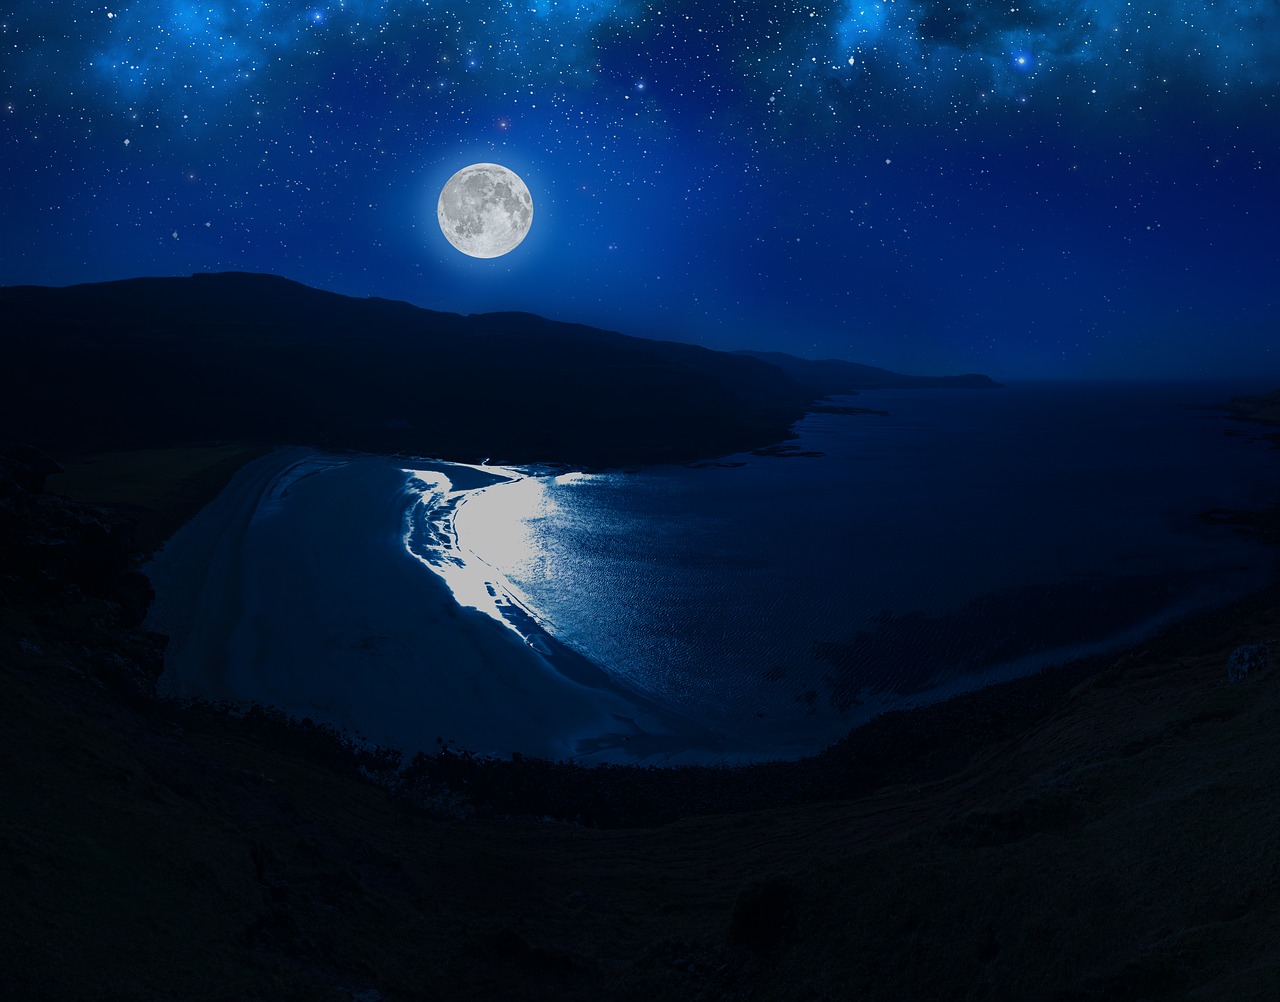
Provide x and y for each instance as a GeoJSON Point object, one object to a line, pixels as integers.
{"type": "Point", "coordinates": [1042, 188]}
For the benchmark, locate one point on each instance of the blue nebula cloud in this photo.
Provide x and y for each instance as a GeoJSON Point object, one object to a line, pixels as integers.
{"type": "Point", "coordinates": [861, 24]}
{"type": "Point", "coordinates": [213, 52]}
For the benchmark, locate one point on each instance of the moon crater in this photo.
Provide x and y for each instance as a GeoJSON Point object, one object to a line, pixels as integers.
{"type": "Point", "coordinates": [485, 210]}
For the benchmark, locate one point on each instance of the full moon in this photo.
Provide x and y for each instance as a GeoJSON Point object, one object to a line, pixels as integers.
{"type": "Point", "coordinates": [485, 210]}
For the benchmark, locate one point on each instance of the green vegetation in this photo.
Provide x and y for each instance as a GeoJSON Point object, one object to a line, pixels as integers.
{"type": "Point", "coordinates": [158, 488]}
{"type": "Point", "coordinates": [148, 478]}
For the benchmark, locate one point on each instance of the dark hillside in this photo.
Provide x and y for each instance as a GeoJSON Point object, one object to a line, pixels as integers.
{"type": "Point", "coordinates": [155, 362]}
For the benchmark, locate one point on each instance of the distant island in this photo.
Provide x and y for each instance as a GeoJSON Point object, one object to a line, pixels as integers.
{"type": "Point", "coordinates": [832, 376]}
{"type": "Point", "coordinates": [156, 362]}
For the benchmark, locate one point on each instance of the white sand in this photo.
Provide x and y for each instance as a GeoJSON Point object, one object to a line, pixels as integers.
{"type": "Point", "coordinates": [293, 588]}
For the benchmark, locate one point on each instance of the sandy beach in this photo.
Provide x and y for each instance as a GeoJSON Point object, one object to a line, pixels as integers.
{"type": "Point", "coordinates": [293, 588]}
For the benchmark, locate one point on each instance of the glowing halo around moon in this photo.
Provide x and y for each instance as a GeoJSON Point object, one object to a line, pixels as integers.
{"type": "Point", "coordinates": [485, 210]}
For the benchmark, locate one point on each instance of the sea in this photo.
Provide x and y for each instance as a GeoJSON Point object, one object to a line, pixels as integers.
{"type": "Point", "coordinates": [958, 538]}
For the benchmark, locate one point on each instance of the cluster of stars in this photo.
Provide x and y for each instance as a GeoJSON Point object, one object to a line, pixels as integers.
{"type": "Point", "coordinates": [846, 54]}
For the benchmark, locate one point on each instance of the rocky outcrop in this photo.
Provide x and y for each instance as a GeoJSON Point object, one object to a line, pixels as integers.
{"type": "Point", "coordinates": [1264, 409]}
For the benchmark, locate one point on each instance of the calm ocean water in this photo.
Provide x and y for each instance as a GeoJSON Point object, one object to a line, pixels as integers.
{"type": "Point", "coordinates": [964, 537]}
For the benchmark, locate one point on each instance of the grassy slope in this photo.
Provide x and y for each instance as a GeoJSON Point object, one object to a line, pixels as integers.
{"type": "Point", "coordinates": [1124, 846]}
{"type": "Point", "coordinates": [159, 488]}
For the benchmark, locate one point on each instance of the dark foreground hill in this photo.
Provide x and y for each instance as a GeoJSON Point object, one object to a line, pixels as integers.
{"type": "Point", "coordinates": [154, 362]}
{"type": "Point", "coordinates": [833, 375]}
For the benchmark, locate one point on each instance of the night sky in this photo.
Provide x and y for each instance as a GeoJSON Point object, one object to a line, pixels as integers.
{"type": "Point", "coordinates": [1049, 188]}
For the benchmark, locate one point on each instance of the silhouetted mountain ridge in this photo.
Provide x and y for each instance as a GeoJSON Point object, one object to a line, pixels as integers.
{"type": "Point", "coordinates": [252, 357]}
{"type": "Point", "coordinates": [153, 361]}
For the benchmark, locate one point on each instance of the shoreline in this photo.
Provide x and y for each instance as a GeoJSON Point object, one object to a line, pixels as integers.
{"type": "Point", "coordinates": [911, 749]}
{"type": "Point", "coordinates": [271, 607]}
{"type": "Point", "coordinates": [633, 730]}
